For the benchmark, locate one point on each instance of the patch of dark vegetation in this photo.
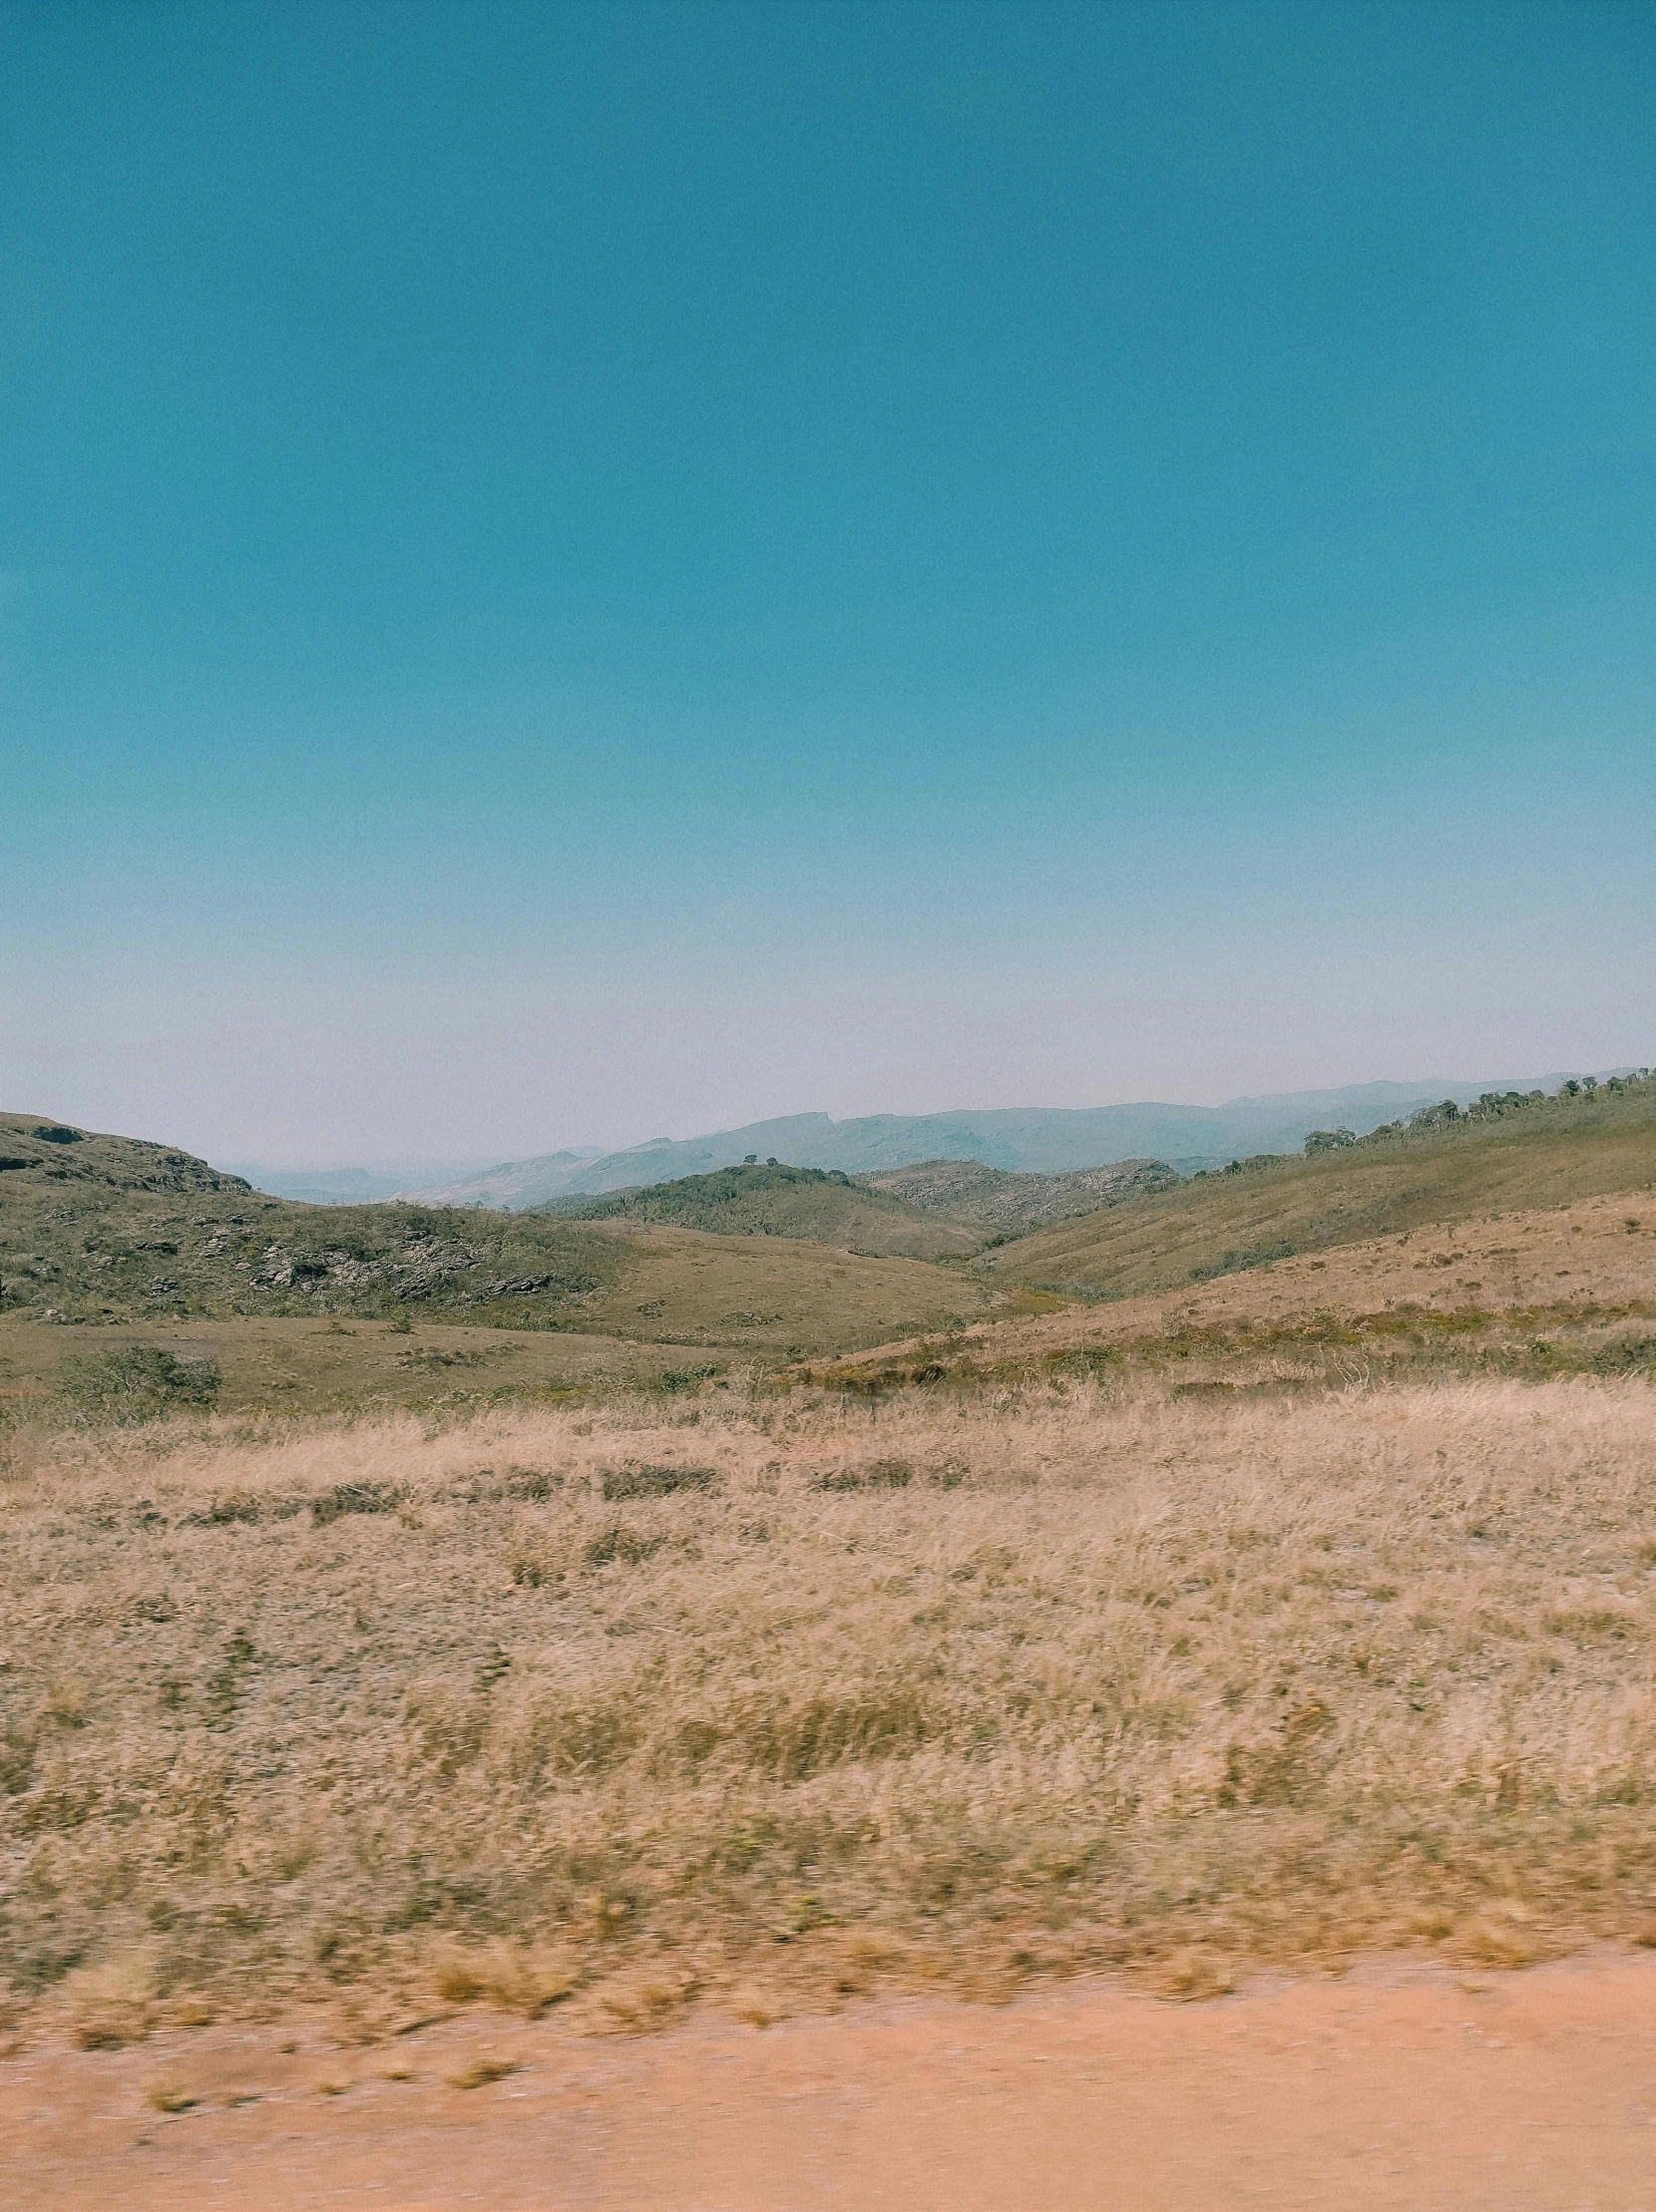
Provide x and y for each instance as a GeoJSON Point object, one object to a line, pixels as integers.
{"type": "Point", "coordinates": [1630, 1355]}
{"type": "Point", "coordinates": [223, 1688]}
{"type": "Point", "coordinates": [533, 1485]}
{"type": "Point", "coordinates": [1244, 1257]}
{"type": "Point", "coordinates": [656, 1482]}
{"type": "Point", "coordinates": [1083, 1362]}
{"type": "Point", "coordinates": [154, 1609]}
{"type": "Point", "coordinates": [354, 1497]}
{"type": "Point", "coordinates": [621, 1545]}
{"type": "Point", "coordinates": [686, 1379]}
{"type": "Point", "coordinates": [687, 1198]}
{"type": "Point", "coordinates": [224, 1513]}
{"type": "Point", "coordinates": [875, 1474]}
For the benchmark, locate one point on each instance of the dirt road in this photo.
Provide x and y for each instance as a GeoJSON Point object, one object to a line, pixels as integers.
{"type": "Point", "coordinates": [1397, 2087]}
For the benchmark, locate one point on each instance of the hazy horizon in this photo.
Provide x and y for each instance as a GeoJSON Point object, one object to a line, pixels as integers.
{"type": "Point", "coordinates": [571, 574]}
{"type": "Point", "coordinates": [432, 1169]}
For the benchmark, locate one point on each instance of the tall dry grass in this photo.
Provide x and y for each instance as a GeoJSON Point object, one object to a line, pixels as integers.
{"type": "Point", "coordinates": [779, 1696]}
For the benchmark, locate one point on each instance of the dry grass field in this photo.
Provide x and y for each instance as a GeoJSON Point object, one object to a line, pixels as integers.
{"type": "Point", "coordinates": [777, 1695]}
{"type": "Point", "coordinates": [281, 1365]}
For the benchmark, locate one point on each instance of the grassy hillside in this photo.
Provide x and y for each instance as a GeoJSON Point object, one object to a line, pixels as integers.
{"type": "Point", "coordinates": [311, 1367]}
{"type": "Point", "coordinates": [1547, 1154]}
{"type": "Point", "coordinates": [1533, 1296]}
{"type": "Point", "coordinates": [108, 1231]}
{"type": "Point", "coordinates": [1003, 1203]}
{"type": "Point", "coordinates": [776, 1200]}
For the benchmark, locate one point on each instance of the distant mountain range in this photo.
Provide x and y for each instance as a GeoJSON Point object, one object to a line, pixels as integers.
{"type": "Point", "coordinates": [1048, 1140]}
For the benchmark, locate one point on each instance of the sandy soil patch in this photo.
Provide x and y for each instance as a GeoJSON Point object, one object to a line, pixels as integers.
{"type": "Point", "coordinates": [1398, 2086]}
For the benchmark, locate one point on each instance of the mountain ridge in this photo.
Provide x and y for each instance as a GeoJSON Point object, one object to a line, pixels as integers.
{"type": "Point", "coordinates": [1053, 1140]}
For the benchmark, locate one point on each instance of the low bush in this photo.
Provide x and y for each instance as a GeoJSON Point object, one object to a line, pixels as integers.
{"type": "Point", "coordinates": [138, 1382]}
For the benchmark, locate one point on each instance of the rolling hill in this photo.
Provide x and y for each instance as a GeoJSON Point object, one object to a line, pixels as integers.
{"type": "Point", "coordinates": [1547, 1154]}
{"type": "Point", "coordinates": [823, 1205]}
{"type": "Point", "coordinates": [103, 1231]}
{"type": "Point", "coordinates": [1000, 1203]}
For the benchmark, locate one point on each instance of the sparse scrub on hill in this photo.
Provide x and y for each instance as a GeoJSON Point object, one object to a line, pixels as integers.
{"type": "Point", "coordinates": [1003, 1203]}
{"type": "Point", "coordinates": [116, 1246]}
{"type": "Point", "coordinates": [1505, 1151]}
{"type": "Point", "coordinates": [1501, 1105]}
{"type": "Point", "coordinates": [775, 1200]}
{"type": "Point", "coordinates": [814, 1694]}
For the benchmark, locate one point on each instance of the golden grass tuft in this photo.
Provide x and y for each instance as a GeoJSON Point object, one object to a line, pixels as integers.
{"type": "Point", "coordinates": [113, 2002]}
{"type": "Point", "coordinates": [478, 2073]}
{"type": "Point", "coordinates": [169, 2094]}
{"type": "Point", "coordinates": [525, 1979]}
{"type": "Point", "coordinates": [758, 2007]}
{"type": "Point", "coordinates": [1190, 1977]}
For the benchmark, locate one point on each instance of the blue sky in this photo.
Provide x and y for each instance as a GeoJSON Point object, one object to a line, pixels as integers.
{"type": "Point", "coordinates": [576, 573]}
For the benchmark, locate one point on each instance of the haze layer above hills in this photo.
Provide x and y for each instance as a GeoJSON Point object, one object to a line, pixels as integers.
{"type": "Point", "coordinates": [1046, 1140]}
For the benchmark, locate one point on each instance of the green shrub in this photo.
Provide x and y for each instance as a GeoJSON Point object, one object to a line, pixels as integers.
{"type": "Point", "coordinates": [138, 1382]}
{"type": "Point", "coordinates": [686, 1379]}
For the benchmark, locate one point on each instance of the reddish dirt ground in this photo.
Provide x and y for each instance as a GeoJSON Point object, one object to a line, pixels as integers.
{"type": "Point", "coordinates": [1395, 2086]}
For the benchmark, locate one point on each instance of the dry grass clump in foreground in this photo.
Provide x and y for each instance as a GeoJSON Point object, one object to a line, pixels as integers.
{"type": "Point", "coordinates": [779, 1699]}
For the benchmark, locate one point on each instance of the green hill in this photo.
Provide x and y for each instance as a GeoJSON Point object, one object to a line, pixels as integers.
{"type": "Point", "coordinates": [104, 1231]}
{"type": "Point", "coordinates": [825, 1206]}
{"type": "Point", "coordinates": [1518, 1153]}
